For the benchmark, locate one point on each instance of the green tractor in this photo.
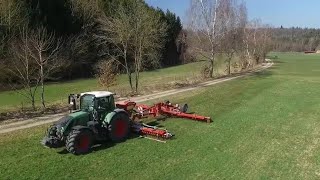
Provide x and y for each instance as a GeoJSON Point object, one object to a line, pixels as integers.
{"type": "Point", "coordinates": [96, 119]}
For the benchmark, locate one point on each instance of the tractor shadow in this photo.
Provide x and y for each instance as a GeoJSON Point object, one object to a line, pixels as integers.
{"type": "Point", "coordinates": [103, 145]}
{"type": "Point", "coordinates": [97, 147]}
{"type": "Point", "coordinates": [100, 145]}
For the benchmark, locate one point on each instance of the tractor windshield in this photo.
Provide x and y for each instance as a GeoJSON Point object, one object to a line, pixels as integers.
{"type": "Point", "coordinates": [86, 102]}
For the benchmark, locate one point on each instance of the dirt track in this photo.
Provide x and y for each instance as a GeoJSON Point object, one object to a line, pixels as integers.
{"type": "Point", "coordinates": [52, 118]}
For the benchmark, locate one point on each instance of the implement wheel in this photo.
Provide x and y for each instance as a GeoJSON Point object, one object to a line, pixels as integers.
{"type": "Point", "coordinates": [119, 127]}
{"type": "Point", "coordinates": [79, 141]}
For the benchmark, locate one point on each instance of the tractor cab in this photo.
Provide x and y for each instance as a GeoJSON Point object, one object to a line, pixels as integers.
{"type": "Point", "coordinates": [102, 101]}
{"type": "Point", "coordinates": [96, 103]}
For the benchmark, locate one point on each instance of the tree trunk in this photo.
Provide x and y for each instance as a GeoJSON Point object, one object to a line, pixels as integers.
{"type": "Point", "coordinates": [229, 66]}
{"type": "Point", "coordinates": [130, 79]}
{"type": "Point", "coordinates": [42, 88]}
{"type": "Point", "coordinates": [31, 96]}
{"type": "Point", "coordinates": [229, 55]}
{"type": "Point", "coordinates": [33, 103]}
{"type": "Point", "coordinates": [211, 68]}
{"type": "Point", "coordinates": [138, 64]}
{"type": "Point", "coordinates": [127, 67]}
{"type": "Point", "coordinates": [137, 81]}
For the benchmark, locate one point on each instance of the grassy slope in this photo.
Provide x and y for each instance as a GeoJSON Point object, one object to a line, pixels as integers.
{"type": "Point", "coordinates": [265, 126]}
{"type": "Point", "coordinates": [58, 92]}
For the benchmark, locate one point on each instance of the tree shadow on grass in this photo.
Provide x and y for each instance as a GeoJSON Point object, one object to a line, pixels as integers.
{"type": "Point", "coordinates": [263, 74]}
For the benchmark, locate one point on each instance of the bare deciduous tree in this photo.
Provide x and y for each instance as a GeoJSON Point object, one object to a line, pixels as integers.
{"type": "Point", "coordinates": [119, 33]}
{"type": "Point", "coordinates": [250, 42]}
{"type": "Point", "coordinates": [257, 42]}
{"type": "Point", "coordinates": [23, 67]}
{"type": "Point", "coordinates": [148, 39]}
{"type": "Point", "coordinates": [44, 52]}
{"type": "Point", "coordinates": [232, 42]}
{"type": "Point", "coordinates": [137, 37]}
{"type": "Point", "coordinates": [208, 20]}
{"type": "Point", "coordinates": [264, 43]}
{"type": "Point", "coordinates": [229, 43]}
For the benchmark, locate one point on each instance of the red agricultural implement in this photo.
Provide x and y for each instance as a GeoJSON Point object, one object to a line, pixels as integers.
{"type": "Point", "coordinates": [159, 111]}
{"type": "Point", "coordinates": [98, 118]}
{"type": "Point", "coordinates": [140, 111]}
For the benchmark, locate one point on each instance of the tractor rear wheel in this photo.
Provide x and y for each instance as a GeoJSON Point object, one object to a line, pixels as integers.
{"type": "Point", "coordinates": [79, 141]}
{"type": "Point", "coordinates": [119, 127]}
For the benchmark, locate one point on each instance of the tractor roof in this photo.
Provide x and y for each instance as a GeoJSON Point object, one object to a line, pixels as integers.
{"type": "Point", "coordinates": [98, 94]}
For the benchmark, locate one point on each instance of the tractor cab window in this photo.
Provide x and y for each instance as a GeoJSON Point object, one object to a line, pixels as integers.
{"type": "Point", "coordinates": [103, 102]}
{"type": "Point", "coordinates": [86, 102]}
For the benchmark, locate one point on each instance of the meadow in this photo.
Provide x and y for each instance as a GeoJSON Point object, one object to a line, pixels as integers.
{"type": "Point", "coordinates": [265, 126]}
{"type": "Point", "coordinates": [150, 81]}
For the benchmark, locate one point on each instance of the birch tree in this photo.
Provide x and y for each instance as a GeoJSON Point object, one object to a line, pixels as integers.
{"type": "Point", "coordinates": [257, 42]}
{"type": "Point", "coordinates": [208, 20]}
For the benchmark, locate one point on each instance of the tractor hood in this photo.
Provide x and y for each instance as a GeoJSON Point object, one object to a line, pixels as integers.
{"type": "Point", "coordinates": [62, 128]}
{"type": "Point", "coordinates": [79, 118]}
{"type": "Point", "coordinates": [79, 114]}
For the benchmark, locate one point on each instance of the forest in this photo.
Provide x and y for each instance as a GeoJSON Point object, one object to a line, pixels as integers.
{"type": "Point", "coordinates": [78, 30]}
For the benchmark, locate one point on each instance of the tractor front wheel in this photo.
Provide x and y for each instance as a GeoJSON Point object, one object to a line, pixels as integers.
{"type": "Point", "coordinates": [79, 141]}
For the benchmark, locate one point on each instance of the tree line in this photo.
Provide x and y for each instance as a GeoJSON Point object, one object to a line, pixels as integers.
{"type": "Point", "coordinates": [296, 39]}
{"type": "Point", "coordinates": [54, 40]}
{"type": "Point", "coordinates": [222, 27]}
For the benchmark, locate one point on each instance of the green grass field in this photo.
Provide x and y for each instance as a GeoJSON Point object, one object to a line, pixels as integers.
{"type": "Point", "coordinates": [266, 126]}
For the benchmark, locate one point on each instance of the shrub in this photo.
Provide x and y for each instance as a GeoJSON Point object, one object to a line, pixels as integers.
{"type": "Point", "coordinates": [107, 73]}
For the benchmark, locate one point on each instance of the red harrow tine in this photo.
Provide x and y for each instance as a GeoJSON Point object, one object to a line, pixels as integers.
{"type": "Point", "coordinates": [145, 131]}
{"type": "Point", "coordinates": [187, 116]}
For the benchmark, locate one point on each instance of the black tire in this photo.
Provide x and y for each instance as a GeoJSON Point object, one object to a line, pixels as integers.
{"type": "Point", "coordinates": [79, 141]}
{"type": "Point", "coordinates": [118, 129]}
{"type": "Point", "coordinates": [52, 131]}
